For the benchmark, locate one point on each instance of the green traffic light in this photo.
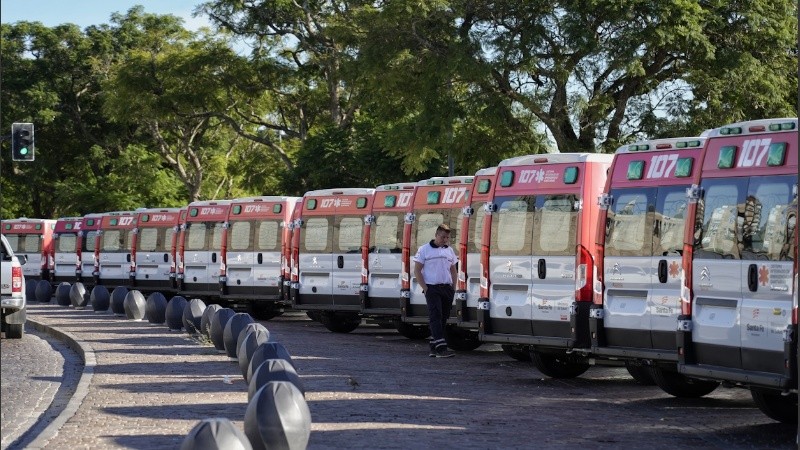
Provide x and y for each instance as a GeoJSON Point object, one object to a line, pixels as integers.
{"type": "Point", "coordinates": [23, 151]}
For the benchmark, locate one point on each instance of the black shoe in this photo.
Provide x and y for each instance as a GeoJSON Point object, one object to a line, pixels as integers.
{"type": "Point", "coordinates": [432, 354]}
{"type": "Point", "coordinates": [444, 353]}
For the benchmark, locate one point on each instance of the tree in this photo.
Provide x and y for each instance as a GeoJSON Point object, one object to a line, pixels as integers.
{"type": "Point", "coordinates": [172, 86]}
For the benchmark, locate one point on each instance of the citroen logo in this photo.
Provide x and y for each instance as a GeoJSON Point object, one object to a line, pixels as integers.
{"type": "Point", "coordinates": [615, 269]}
{"type": "Point", "coordinates": [376, 262]}
{"type": "Point", "coordinates": [705, 274]}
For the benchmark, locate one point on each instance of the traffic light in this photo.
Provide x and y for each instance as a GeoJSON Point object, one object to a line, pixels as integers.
{"type": "Point", "coordinates": [22, 142]}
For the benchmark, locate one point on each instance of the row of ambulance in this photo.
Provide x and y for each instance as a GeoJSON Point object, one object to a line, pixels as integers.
{"type": "Point", "coordinates": [677, 257]}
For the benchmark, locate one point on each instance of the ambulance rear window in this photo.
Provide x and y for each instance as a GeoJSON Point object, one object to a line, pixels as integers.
{"type": "Point", "coordinates": [147, 239]}
{"type": "Point", "coordinates": [268, 236]}
{"type": "Point", "coordinates": [67, 243]}
{"type": "Point", "coordinates": [315, 235]}
{"type": "Point", "coordinates": [386, 235]}
{"type": "Point", "coordinates": [239, 236]}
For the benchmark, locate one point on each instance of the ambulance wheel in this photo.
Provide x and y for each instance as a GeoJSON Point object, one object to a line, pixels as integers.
{"type": "Point", "coordinates": [640, 373]}
{"type": "Point", "coordinates": [263, 312]}
{"type": "Point", "coordinates": [558, 365]}
{"type": "Point", "coordinates": [518, 352]}
{"type": "Point", "coordinates": [340, 323]}
{"type": "Point", "coordinates": [461, 340]}
{"type": "Point", "coordinates": [782, 408]}
{"type": "Point", "coordinates": [14, 330]}
{"type": "Point", "coordinates": [313, 315]}
{"type": "Point", "coordinates": [679, 385]}
{"type": "Point", "coordinates": [412, 331]}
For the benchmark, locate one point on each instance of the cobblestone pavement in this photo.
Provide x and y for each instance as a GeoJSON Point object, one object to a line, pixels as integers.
{"type": "Point", "coordinates": [150, 386]}
{"type": "Point", "coordinates": [38, 375]}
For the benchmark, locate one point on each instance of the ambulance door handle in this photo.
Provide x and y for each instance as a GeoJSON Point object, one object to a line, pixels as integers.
{"type": "Point", "coordinates": [260, 258]}
{"type": "Point", "coordinates": [752, 277]}
{"type": "Point", "coordinates": [662, 271]}
{"type": "Point", "coordinates": [340, 261]}
{"type": "Point", "coordinates": [542, 266]}
{"type": "Point", "coordinates": [214, 257]}
{"type": "Point", "coordinates": [166, 257]}
{"type": "Point", "coordinates": [128, 257]}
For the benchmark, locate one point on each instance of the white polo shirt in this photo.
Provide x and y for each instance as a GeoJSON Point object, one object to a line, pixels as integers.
{"type": "Point", "coordinates": [436, 263]}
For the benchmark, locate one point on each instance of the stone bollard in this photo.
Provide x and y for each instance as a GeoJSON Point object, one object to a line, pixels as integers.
{"type": "Point", "coordinates": [278, 417]}
{"type": "Point", "coordinates": [216, 434]}
{"type": "Point", "coordinates": [77, 295]}
{"type": "Point", "coordinates": [134, 305]}
{"type": "Point", "coordinates": [192, 315]}
{"type": "Point", "coordinates": [118, 300]}
{"type": "Point", "coordinates": [265, 351]}
{"type": "Point", "coordinates": [62, 294]}
{"type": "Point", "coordinates": [253, 335]}
{"type": "Point", "coordinates": [30, 290]}
{"type": "Point", "coordinates": [231, 332]}
{"type": "Point", "coordinates": [100, 298]}
{"type": "Point", "coordinates": [155, 308]}
{"type": "Point", "coordinates": [174, 312]}
{"type": "Point", "coordinates": [217, 329]}
{"type": "Point", "coordinates": [273, 370]}
{"type": "Point", "coordinates": [205, 321]}
{"type": "Point", "coordinates": [44, 291]}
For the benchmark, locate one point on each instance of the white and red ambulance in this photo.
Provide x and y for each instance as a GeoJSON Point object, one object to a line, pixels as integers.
{"type": "Point", "coordinates": [541, 251]}
{"type": "Point", "coordinates": [88, 250]}
{"type": "Point", "coordinates": [200, 248]}
{"type": "Point", "coordinates": [381, 282]}
{"type": "Point", "coordinates": [739, 322]}
{"type": "Point", "coordinates": [439, 200]}
{"type": "Point", "coordinates": [114, 249]}
{"type": "Point", "coordinates": [152, 267]}
{"type": "Point", "coordinates": [66, 252]}
{"type": "Point", "coordinates": [327, 253]}
{"type": "Point", "coordinates": [253, 261]}
{"type": "Point", "coordinates": [644, 213]}
{"type": "Point", "coordinates": [32, 238]}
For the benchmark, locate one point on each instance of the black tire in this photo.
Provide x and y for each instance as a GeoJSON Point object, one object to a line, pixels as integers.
{"type": "Point", "coordinates": [313, 315]}
{"type": "Point", "coordinates": [263, 312]}
{"type": "Point", "coordinates": [558, 365]}
{"type": "Point", "coordinates": [15, 330]}
{"type": "Point", "coordinates": [640, 373]}
{"type": "Point", "coordinates": [518, 352]}
{"type": "Point", "coordinates": [340, 323]}
{"type": "Point", "coordinates": [782, 408]}
{"type": "Point", "coordinates": [461, 340]}
{"type": "Point", "coordinates": [412, 331]}
{"type": "Point", "coordinates": [679, 385]}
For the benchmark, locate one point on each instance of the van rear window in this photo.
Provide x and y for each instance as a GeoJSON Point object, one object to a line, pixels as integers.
{"type": "Point", "coordinates": [89, 241]}
{"type": "Point", "coordinates": [268, 236]}
{"type": "Point", "coordinates": [629, 225]}
{"type": "Point", "coordinates": [24, 243]}
{"type": "Point", "coordinates": [349, 232]}
{"type": "Point", "coordinates": [315, 235]}
{"type": "Point", "coordinates": [115, 241]}
{"type": "Point", "coordinates": [239, 236]}
{"type": "Point", "coordinates": [476, 223]}
{"type": "Point", "coordinates": [386, 234]}
{"type": "Point", "coordinates": [427, 222]}
{"type": "Point", "coordinates": [512, 226]}
{"type": "Point", "coordinates": [67, 243]}
{"type": "Point", "coordinates": [147, 239]}
{"type": "Point", "coordinates": [555, 225]}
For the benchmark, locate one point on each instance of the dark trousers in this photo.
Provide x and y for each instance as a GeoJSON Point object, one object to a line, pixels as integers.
{"type": "Point", "coordinates": [439, 298]}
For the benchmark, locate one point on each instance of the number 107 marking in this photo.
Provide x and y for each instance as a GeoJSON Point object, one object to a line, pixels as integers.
{"type": "Point", "coordinates": [661, 166]}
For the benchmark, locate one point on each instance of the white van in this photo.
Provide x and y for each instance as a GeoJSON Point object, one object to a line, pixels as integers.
{"type": "Point", "coordinates": [14, 311]}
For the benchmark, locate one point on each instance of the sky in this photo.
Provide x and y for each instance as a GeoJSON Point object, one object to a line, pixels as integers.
{"type": "Point", "coordinates": [93, 12]}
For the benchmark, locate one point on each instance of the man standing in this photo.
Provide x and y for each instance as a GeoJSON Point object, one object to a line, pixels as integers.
{"type": "Point", "coordinates": [435, 269]}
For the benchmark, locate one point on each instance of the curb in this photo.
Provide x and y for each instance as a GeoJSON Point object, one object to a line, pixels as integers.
{"type": "Point", "coordinates": [86, 352]}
